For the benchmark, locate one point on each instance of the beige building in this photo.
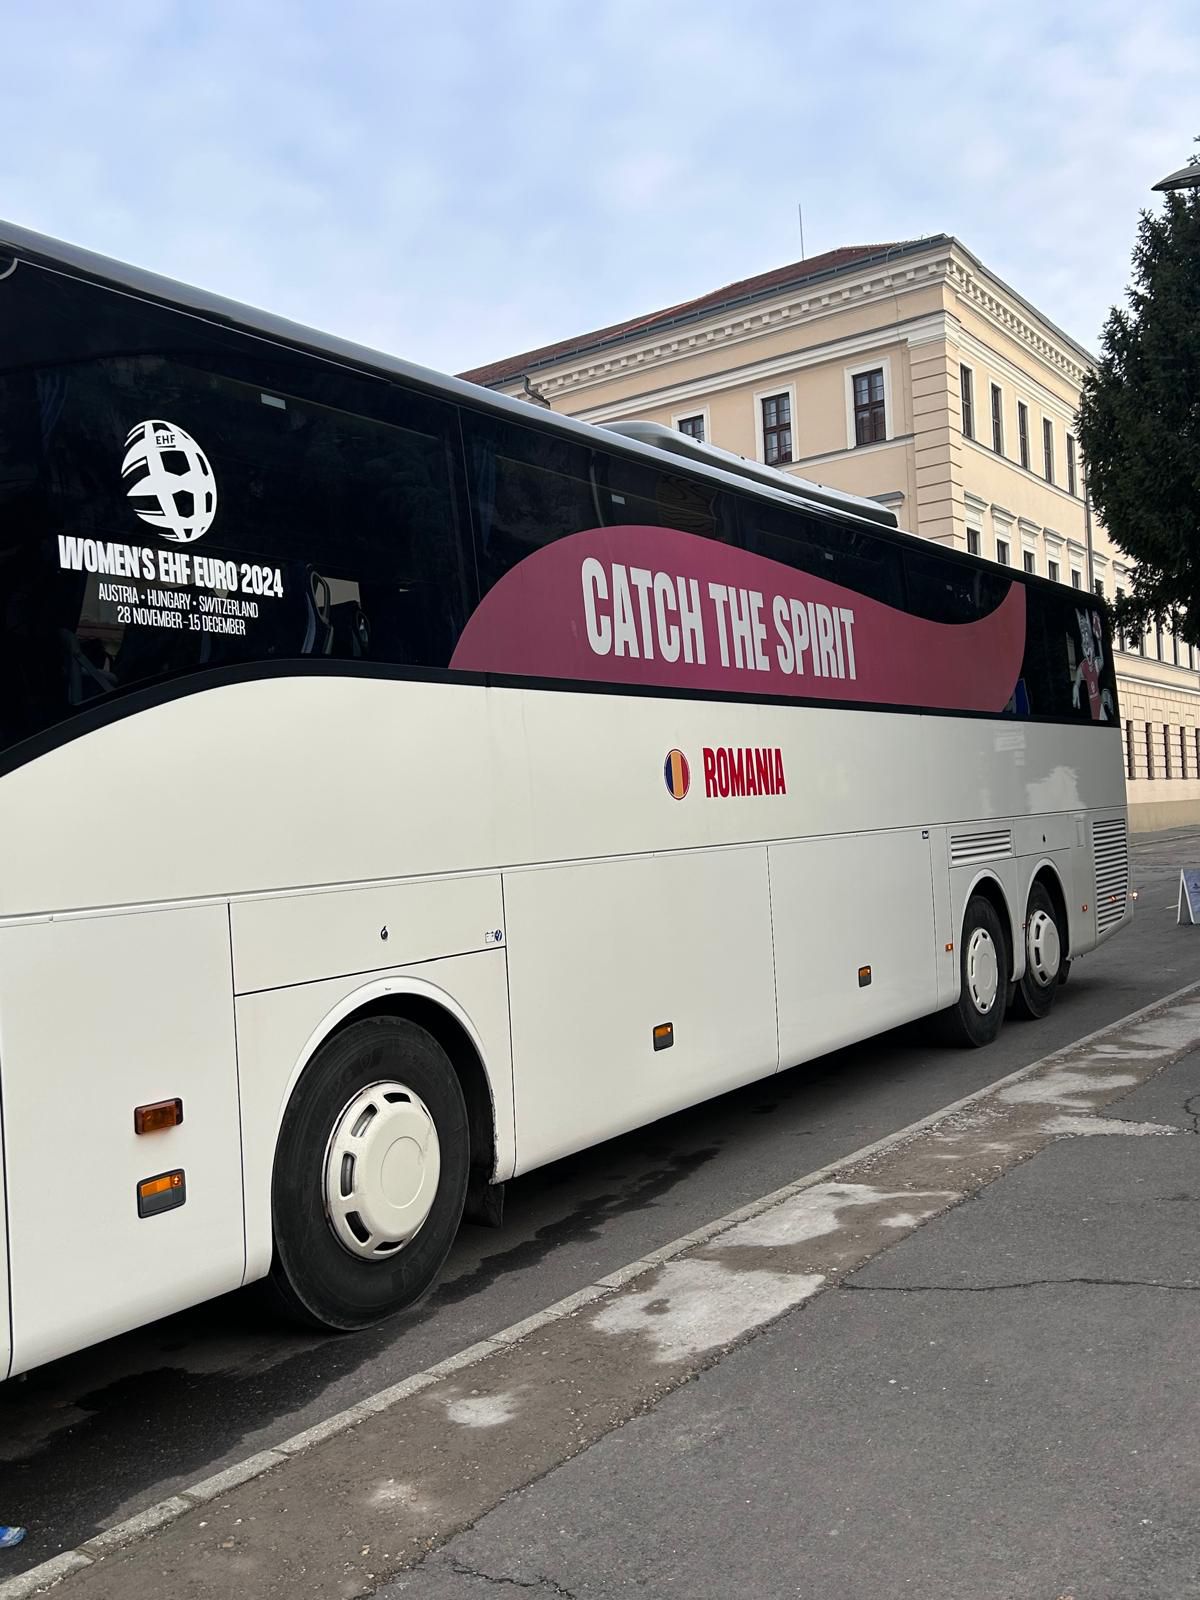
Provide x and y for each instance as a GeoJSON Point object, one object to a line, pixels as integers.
{"type": "Point", "coordinates": [910, 373]}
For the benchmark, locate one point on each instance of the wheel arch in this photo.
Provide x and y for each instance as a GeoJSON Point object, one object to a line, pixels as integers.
{"type": "Point", "coordinates": [989, 886]}
{"type": "Point", "coordinates": [430, 1007]}
{"type": "Point", "coordinates": [1046, 873]}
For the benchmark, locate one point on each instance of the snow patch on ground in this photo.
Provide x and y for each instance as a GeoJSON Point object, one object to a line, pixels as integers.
{"type": "Point", "coordinates": [1065, 1086]}
{"type": "Point", "coordinates": [481, 1410]}
{"type": "Point", "coordinates": [695, 1306]}
{"type": "Point", "coordinates": [1085, 1126]}
{"type": "Point", "coordinates": [817, 1212]}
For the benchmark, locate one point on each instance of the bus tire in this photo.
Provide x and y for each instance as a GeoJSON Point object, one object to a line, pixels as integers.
{"type": "Point", "coordinates": [370, 1176]}
{"type": "Point", "coordinates": [1038, 986]}
{"type": "Point", "coordinates": [978, 1015]}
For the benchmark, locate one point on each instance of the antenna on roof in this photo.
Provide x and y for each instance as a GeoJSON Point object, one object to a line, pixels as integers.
{"type": "Point", "coordinates": [800, 214]}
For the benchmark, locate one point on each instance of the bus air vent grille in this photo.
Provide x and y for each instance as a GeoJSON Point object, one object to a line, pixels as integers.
{"type": "Point", "coordinates": [966, 848]}
{"type": "Point", "coordinates": [1110, 848]}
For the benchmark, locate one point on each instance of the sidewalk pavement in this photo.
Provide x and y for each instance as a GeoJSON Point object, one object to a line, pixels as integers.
{"type": "Point", "coordinates": [1003, 1405]}
{"type": "Point", "coordinates": [957, 1365]}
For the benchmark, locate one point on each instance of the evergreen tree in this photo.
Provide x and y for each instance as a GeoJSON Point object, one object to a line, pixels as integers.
{"type": "Point", "coordinates": [1139, 421]}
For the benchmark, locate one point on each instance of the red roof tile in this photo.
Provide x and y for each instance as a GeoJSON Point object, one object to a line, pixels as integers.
{"type": "Point", "coordinates": [743, 289]}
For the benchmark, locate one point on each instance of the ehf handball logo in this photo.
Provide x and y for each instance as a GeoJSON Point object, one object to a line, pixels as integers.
{"type": "Point", "coordinates": [172, 488]}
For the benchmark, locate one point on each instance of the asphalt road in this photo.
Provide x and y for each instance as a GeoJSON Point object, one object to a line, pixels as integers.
{"type": "Point", "coordinates": [95, 1437]}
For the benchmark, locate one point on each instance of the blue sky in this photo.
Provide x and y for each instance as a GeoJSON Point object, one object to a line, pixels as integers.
{"type": "Point", "coordinates": [456, 182]}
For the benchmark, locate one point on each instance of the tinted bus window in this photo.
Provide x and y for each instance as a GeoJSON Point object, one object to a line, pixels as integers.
{"type": "Point", "coordinates": [177, 498]}
{"type": "Point", "coordinates": [527, 488]}
{"type": "Point", "coordinates": [836, 551]}
{"type": "Point", "coordinates": [642, 492]}
{"type": "Point", "coordinates": [1068, 672]}
{"type": "Point", "coordinates": [951, 591]}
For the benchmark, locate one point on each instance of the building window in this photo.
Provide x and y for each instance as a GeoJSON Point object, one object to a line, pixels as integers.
{"type": "Point", "coordinates": [1030, 561]}
{"type": "Point", "coordinates": [1047, 450]}
{"type": "Point", "coordinates": [870, 421]}
{"type": "Point", "coordinates": [1099, 587]}
{"type": "Point", "coordinates": [1052, 571]}
{"type": "Point", "coordinates": [1174, 640]}
{"type": "Point", "coordinates": [965, 381]}
{"type": "Point", "coordinates": [997, 420]}
{"type": "Point", "coordinates": [1197, 749]}
{"type": "Point", "coordinates": [1183, 752]}
{"type": "Point", "coordinates": [1129, 749]}
{"type": "Point", "coordinates": [1149, 752]}
{"type": "Point", "coordinates": [693, 427]}
{"type": "Point", "coordinates": [1002, 552]}
{"type": "Point", "coordinates": [1158, 641]}
{"type": "Point", "coordinates": [1023, 432]}
{"type": "Point", "coordinates": [1166, 750]}
{"type": "Point", "coordinates": [1122, 641]}
{"type": "Point", "coordinates": [1072, 486]}
{"type": "Point", "coordinates": [777, 429]}
{"type": "Point", "coordinates": [1076, 579]}
{"type": "Point", "coordinates": [973, 541]}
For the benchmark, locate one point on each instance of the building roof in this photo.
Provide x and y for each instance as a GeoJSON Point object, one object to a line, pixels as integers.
{"type": "Point", "coordinates": [733, 294]}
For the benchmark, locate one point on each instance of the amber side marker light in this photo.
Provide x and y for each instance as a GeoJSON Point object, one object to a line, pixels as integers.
{"type": "Point", "coordinates": [664, 1035]}
{"type": "Point", "coordinates": [163, 1192]}
{"type": "Point", "coordinates": [153, 1118]}
{"type": "Point", "coordinates": [864, 977]}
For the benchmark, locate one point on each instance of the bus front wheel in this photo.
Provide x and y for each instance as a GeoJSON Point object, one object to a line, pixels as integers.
{"type": "Point", "coordinates": [977, 1016]}
{"type": "Point", "coordinates": [370, 1175]}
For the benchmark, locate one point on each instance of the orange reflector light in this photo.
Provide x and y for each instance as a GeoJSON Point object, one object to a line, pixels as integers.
{"type": "Point", "coordinates": [664, 1035]}
{"type": "Point", "coordinates": [1085, 906]}
{"type": "Point", "coordinates": [163, 1192]}
{"type": "Point", "coordinates": [864, 977]}
{"type": "Point", "coordinates": [153, 1118]}
{"type": "Point", "coordinates": [950, 947]}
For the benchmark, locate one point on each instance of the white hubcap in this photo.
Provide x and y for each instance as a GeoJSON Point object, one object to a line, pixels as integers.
{"type": "Point", "coordinates": [382, 1165]}
{"type": "Point", "coordinates": [983, 970]}
{"type": "Point", "coordinates": [1042, 949]}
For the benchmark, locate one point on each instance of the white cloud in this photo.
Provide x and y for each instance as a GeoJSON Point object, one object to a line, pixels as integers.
{"type": "Point", "coordinates": [463, 182]}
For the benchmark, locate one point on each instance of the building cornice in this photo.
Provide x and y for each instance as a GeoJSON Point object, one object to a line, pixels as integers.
{"type": "Point", "coordinates": [846, 348]}
{"type": "Point", "coordinates": [798, 308]}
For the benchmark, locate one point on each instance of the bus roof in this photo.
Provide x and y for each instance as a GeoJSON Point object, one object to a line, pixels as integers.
{"type": "Point", "coordinates": [642, 439]}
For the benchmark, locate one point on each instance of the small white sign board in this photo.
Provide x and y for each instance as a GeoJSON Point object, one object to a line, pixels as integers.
{"type": "Point", "coordinates": [1189, 895]}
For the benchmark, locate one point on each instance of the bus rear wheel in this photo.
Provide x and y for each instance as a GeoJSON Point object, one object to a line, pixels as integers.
{"type": "Point", "coordinates": [1035, 992]}
{"type": "Point", "coordinates": [370, 1176]}
{"type": "Point", "coordinates": [977, 1016]}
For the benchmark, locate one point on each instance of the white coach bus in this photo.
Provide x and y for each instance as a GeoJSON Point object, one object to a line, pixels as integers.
{"type": "Point", "coordinates": [402, 787]}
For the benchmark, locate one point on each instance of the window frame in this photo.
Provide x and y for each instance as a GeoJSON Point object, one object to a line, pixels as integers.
{"type": "Point", "coordinates": [700, 413]}
{"type": "Point", "coordinates": [966, 395]}
{"type": "Point", "coordinates": [1053, 571]}
{"type": "Point", "coordinates": [997, 398]}
{"type": "Point", "coordinates": [786, 391]}
{"type": "Point", "coordinates": [1023, 433]}
{"type": "Point", "coordinates": [1072, 470]}
{"type": "Point", "coordinates": [1005, 546]}
{"type": "Point", "coordinates": [1048, 449]}
{"type": "Point", "coordinates": [857, 370]}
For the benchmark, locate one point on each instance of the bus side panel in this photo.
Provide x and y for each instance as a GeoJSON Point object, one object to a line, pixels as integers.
{"type": "Point", "coordinates": [599, 955]}
{"type": "Point", "coordinates": [5, 1319]}
{"type": "Point", "coordinates": [843, 905]}
{"type": "Point", "coordinates": [99, 1015]}
{"type": "Point", "coordinates": [279, 1029]}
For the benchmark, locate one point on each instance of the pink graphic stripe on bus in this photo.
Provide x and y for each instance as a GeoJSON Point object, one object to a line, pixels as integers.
{"type": "Point", "coordinates": [656, 606]}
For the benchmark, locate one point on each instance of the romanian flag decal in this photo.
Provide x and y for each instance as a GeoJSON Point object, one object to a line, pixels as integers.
{"type": "Point", "coordinates": [677, 774]}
